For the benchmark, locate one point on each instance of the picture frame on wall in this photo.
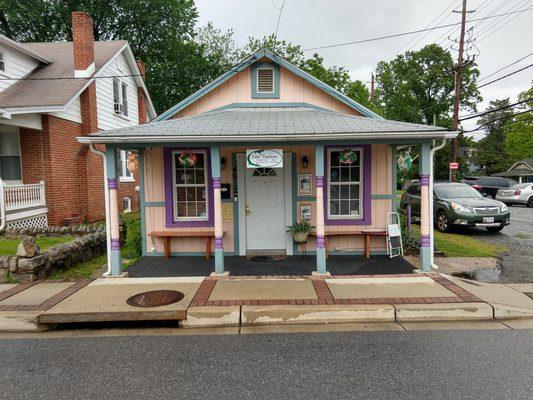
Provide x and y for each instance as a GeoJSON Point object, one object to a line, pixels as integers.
{"type": "Point", "coordinates": [305, 184]}
{"type": "Point", "coordinates": [305, 212]}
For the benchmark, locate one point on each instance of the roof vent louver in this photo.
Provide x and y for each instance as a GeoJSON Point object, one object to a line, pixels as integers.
{"type": "Point", "coordinates": [265, 80]}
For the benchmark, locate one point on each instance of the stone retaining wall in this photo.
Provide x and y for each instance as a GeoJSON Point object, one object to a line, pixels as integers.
{"type": "Point", "coordinates": [83, 229]}
{"type": "Point", "coordinates": [37, 265]}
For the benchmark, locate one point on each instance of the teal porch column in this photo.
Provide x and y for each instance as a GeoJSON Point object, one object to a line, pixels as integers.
{"type": "Point", "coordinates": [219, 233]}
{"type": "Point", "coordinates": [111, 171]}
{"type": "Point", "coordinates": [425, 218]}
{"type": "Point", "coordinates": [320, 229]}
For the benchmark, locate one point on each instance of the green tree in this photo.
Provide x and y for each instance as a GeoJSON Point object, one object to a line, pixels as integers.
{"type": "Point", "coordinates": [416, 85]}
{"type": "Point", "coordinates": [519, 133]}
{"type": "Point", "coordinates": [491, 154]}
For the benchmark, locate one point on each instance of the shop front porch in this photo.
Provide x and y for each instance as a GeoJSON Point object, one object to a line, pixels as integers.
{"type": "Point", "coordinates": [291, 266]}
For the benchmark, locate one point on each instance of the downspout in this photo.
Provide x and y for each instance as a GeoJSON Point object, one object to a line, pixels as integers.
{"type": "Point", "coordinates": [432, 219]}
{"type": "Point", "coordinates": [107, 216]}
{"type": "Point", "coordinates": [2, 207]}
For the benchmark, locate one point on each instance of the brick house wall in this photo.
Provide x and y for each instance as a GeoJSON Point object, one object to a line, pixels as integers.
{"type": "Point", "coordinates": [74, 175]}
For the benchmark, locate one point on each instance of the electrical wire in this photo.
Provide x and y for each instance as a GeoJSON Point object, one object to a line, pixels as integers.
{"type": "Point", "coordinates": [500, 27]}
{"type": "Point", "coordinates": [477, 115]}
{"type": "Point", "coordinates": [505, 76]}
{"type": "Point", "coordinates": [498, 119]}
{"type": "Point", "coordinates": [404, 33]}
{"type": "Point", "coordinates": [507, 66]}
{"type": "Point", "coordinates": [279, 15]}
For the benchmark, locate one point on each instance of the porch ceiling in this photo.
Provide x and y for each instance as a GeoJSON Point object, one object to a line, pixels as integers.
{"type": "Point", "coordinates": [262, 123]}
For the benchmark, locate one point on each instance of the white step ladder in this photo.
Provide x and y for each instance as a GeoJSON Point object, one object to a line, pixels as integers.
{"type": "Point", "coordinates": [394, 235]}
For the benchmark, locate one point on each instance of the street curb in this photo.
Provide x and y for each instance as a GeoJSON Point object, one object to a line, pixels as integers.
{"type": "Point", "coordinates": [210, 316]}
{"type": "Point", "coordinates": [444, 312]}
{"type": "Point", "coordinates": [321, 314]}
{"type": "Point", "coordinates": [20, 321]}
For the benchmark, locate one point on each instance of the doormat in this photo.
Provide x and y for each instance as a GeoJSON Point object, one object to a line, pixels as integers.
{"type": "Point", "coordinates": [266, 258]}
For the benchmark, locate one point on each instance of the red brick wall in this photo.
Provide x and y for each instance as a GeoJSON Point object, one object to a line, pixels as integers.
{"type": "Point", "coordinates": [141, 98]}
{"type": "Point", "coordinates": [32, 156]}
{"type": "Point", "coordinates": [82, 40]}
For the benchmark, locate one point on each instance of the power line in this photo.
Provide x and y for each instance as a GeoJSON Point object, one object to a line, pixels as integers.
{"type": "Point", "coordinates": [505, 76]}
{"type": "Point", "coordinates": [498, 119]}
{"type": "Point", "coordinates": [406, 33]}
{"type": "Point", "coordinates": [471, 116]}
{"type": "Point", "coordinates": [507, 66]}
{"type": "Point", "coordinates": [495, 23]}
{"type": "Point", "coordinates": [500, 27]}
{"type": "Point", "coordinates": [69, 78]}
{"type": "Point", "coordinates": [279, 15]}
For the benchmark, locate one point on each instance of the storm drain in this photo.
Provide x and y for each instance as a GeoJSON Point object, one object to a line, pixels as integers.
{"type": "Point", "coordinates": [155, 298]}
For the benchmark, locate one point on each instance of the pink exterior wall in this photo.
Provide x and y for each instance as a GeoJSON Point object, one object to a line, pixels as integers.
{"type": "Point", "coordinates": [381, 185]}
{"type": "Point", "coordinates": [238, 89]}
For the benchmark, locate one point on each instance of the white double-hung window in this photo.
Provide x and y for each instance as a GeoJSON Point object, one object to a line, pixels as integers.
{"type": "Point", "coordinates": [190, 179]}
{"type": "Point", "coordinates": [2, 62]}
{"type": "Point", "coordinates": [345, 183]}
{"type": "Point", "coordinates": [120, 97]}
{"type": "Point", "coordinates": [124, 174]}
{"type": "Point", "coordinates": [10, 167]}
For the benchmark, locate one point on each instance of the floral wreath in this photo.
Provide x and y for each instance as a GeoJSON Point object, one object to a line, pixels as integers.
{"type": "Point", "coordinates": [347, 157]}
{"type": "Point", "coordinates": [187, 159]}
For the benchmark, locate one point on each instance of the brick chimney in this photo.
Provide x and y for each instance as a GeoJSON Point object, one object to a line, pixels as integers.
{"type": "Point", "coordinates": [82, 44]}
{"type": "Point", "coordinates": [142, 68]}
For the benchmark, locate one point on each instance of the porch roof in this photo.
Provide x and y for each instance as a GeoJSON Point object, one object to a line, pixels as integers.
{"type": "Point", "coordinates": [272, 122]}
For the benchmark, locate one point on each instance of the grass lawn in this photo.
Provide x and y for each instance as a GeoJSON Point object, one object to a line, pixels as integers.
{"type": "Point", "coordinates": [129, 252]}
{"type": "Point", "coordinates": [461, 245]}
{"type": "Point", "coordinates": [9, 246]}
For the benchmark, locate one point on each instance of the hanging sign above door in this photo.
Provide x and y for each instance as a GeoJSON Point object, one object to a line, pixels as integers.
{"type": "Point", "coordinates": [264, 158]}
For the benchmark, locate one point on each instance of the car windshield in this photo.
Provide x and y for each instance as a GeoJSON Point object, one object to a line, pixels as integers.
{"type": "Point", "coordinates": [457, 191]}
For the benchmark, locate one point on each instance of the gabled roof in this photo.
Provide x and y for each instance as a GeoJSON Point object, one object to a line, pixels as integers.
{"type": "Point", "coordinates": [23, 49]}
{"type": "Point", "coordinates": [278, 60]}
{"type": "Point", "coordinates": [528, 161]}
{"type": "Point", "coordinates": [268, 122]}
{"type": "Point", "coordinates": [42, 90]}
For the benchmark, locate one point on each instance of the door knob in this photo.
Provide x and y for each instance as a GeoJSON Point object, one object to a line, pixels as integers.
{"type": "Point", "coordinates": [247, 210]}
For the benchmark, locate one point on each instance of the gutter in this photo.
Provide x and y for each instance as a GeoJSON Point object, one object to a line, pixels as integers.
{"type": "Point", "coordinates": [107, 216]}
{"type": "Point", "coordinates": [271, 138]}
{"type": "Point", "coordinates": [432, 219]}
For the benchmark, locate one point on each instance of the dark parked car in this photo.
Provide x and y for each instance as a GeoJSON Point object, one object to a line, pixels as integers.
{"type": "Point", "coordinates": [489, 185]}
{"type": "Point", "coordinates": [458, 204]}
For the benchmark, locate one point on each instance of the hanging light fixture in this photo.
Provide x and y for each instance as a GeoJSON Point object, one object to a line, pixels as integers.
{"type": "Point", "coordinates": [305, 162]}
{"type": "Point", "coordinates": [223, 163]}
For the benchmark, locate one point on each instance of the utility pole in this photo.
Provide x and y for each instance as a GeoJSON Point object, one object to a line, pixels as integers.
{"type": "Point", "coordinates": [458, 73]}
{"type": "Point", "coordinates": [372, 89]}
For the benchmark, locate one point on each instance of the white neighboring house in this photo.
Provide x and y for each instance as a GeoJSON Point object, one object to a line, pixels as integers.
{"type": "Point", "coordinates": [49, 94]}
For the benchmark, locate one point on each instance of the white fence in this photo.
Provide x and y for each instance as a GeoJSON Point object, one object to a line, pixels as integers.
{"type": "Point", "coordinates": [23, 206]}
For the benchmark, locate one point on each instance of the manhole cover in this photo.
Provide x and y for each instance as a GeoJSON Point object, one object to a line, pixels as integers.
{"type": "Point", "coordinates": [155, 298]}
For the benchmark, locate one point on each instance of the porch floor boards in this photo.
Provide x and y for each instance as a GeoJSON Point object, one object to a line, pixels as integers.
{"type": "Point", "coordinates": [293, 265]}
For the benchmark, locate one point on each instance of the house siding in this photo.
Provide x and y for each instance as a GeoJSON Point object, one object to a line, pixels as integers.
{"type": "Point", "coordinates": [107, 119]}
{"type": "Point", "coordinates": [18, 65]}
{"type": "Point", "coordinates": [381, 184]}
{"type": "Point", "coordinates": [238, 89]}
{"type": "Point", "coordinates": [72, 112]}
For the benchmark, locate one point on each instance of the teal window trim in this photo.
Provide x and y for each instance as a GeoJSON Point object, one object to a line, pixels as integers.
{"type": "Point", "coordinates": [261, 95]}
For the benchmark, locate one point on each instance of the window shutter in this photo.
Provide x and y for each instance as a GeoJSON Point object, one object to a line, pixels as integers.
{"type": "Point", "coordinates": [265, 80]}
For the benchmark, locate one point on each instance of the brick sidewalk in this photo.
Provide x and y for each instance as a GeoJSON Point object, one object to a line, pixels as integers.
{"type": "Point", "coordinates": [325, 296]}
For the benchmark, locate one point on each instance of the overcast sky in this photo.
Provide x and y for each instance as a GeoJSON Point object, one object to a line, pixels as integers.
{"type": "Point", "coordinates": [313, 23]}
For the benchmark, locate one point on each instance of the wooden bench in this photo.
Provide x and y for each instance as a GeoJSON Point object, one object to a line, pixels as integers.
{"type": "Point", "coordinates": [167, 235]}
{"type": "Point", "coordinates": [366, 233]}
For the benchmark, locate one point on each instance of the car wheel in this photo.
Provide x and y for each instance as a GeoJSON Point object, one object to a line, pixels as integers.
{"type": "Point", "coordinates": [443, 224]}
{"type": "Point", "coordinates": [495, 228]}
{"type": "Point", "coordinates": [530, 202]}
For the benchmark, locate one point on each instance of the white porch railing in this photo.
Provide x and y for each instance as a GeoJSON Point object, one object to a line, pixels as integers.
{"type": "Point", "coordinates": [23, 206]}
{"type": "Point", "coordinates": [19, 197]}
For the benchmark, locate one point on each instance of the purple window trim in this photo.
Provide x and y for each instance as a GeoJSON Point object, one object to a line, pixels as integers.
{"type": "Point", "coordinates": [367, 188]}
{"type": "Point", "coordinates": [169, 193]}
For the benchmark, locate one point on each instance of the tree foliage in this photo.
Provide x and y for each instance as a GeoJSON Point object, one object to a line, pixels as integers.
{"type": "Point", "coordinates": [416, 85]}
{"type": "Point", "coordinates": [519, 133]}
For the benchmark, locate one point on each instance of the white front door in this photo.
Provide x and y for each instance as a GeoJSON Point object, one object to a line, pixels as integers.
{"type": "Point", "coordinates": [265, 208]}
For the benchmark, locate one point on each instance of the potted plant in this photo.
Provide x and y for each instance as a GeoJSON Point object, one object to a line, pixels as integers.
{"type": "Point", "coordinates": [300, 231]}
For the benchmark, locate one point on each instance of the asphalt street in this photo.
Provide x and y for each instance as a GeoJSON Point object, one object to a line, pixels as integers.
{"type": "Point", "coordinates": [351, 365]}
{"type": "Point", "coordinates": [517, 263]}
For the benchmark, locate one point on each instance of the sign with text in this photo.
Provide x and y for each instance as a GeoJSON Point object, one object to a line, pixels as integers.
{"type": "Point", "coordinates": [264, 158]}
{"type": "Point", "coordinates": [454, 165]}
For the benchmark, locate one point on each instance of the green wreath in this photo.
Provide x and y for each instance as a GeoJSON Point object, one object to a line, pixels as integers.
{"type": "Point", "coordinates": [348, 157]}
{"type": "Point", "coordinates": [187, 159]}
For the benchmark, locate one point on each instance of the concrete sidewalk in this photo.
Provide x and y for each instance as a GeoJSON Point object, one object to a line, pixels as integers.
{"type": "Point", "coordinates": [251, 301]}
